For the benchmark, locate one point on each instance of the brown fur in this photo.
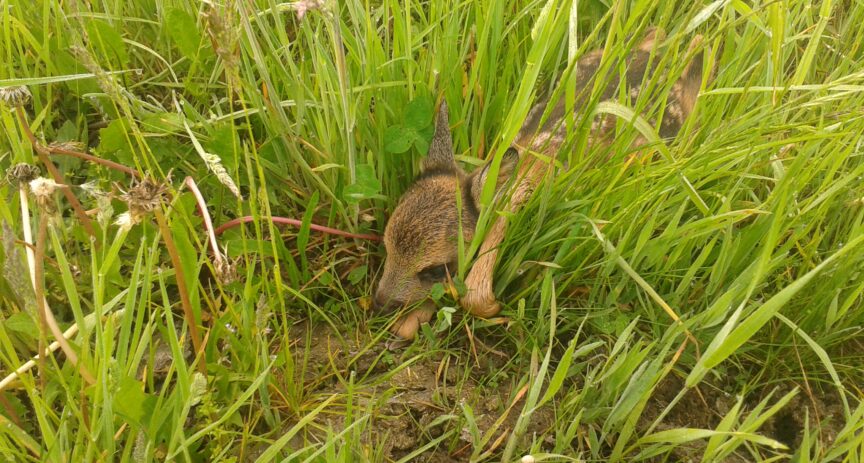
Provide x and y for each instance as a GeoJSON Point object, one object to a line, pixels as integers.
{"type": "Point", "coordinates": [422, 233]}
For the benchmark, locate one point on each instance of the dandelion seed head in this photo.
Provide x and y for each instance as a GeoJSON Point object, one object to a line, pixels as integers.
{"type": "Point", "coordinates": [143, 197]}
{"type": "Point", "coordinates": [226, 271]}
{"type": "Point", "coordinates": [22, 174]}
{"type": "Point", "coordinates": [15, 97]}
{"type": "Point", "coordinates": [43, 188]}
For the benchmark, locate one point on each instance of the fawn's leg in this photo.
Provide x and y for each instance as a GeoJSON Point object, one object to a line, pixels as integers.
{"type": "Point", "coordinates": [480, 299]}
{"type": "Point", "coordinates": [407, 326]}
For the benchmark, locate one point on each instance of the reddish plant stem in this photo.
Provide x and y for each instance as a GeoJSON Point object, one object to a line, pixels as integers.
{"type": "Point", "coordinates": [97, 160]}
{"type": "Point", "coordinates": [180, 276]}
{"type": "Point", "coordinates": [297, 223]}
{"type": "Point", "coordinates": [10, 412]}
{"type": "Point", "coordinates": [41, 152]}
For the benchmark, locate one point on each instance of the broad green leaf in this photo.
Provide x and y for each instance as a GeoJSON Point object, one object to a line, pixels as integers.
{"type": "Point", "coordinates": [326, 278]}
{"type": "Point", "coordinates": [424, 138]}
{"type": "Point", "coordinates": [23, 323]}
{"type": "Point", "coordinates": [357, 275]}
{"type": "Point", "coordinates": [114, 140]}
{"type": "Point", "coordinates": [163, 123]}
{"type": "Point", "coordinates": [224, 143]}
{"type": "Point", "coordinates": [437, 291]}
{"type": "Point", "coordinates": [367, 186]}
{"type": "Point", "coordinates": [67, 132]}
{"type": "Point", "coordinates": [183, 30]}
{"type": "Point", "coordinates": [132, 403]}
{"type": "Point", "coordinates": [113, 137]}
{"type": "Point", "coordinates": [418, 113]}
{"type": "Point", "coordinates": [398, 139]}
{"type": "Point", "coordinates": [107, 42]}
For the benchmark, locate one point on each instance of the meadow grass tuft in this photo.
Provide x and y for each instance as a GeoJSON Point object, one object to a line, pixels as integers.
{"type": "Point", "coordinates": [701, 299]}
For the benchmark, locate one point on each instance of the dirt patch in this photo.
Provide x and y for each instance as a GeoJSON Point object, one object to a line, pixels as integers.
{"type": "Point", "coordinates": [411, 399]}
{"type": "Point", "coordinates": [440, 406]}
{"type": "Point", "coordinates": [704, 407]}
{"type": "Point", "coordinates": [823, 411]}
{"type": "Point", "coordinates": [696, 409]}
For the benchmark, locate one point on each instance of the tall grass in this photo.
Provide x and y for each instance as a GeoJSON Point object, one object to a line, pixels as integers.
{"type": "Point", "coordinates": [725, 264]}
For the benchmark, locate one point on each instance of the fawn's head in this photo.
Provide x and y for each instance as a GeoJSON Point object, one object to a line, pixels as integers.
{"type": "Point", "coordinates": [421, 238]}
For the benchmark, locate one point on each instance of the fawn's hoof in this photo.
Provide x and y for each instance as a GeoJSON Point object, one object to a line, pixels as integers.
{"type": "Point", "coordinates": [481, 305]}
{"type": "Point", "coordinates": [408, 325]}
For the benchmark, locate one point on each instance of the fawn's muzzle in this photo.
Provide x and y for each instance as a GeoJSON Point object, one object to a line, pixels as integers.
{"type": "Point", "coordinates": [384, 303]}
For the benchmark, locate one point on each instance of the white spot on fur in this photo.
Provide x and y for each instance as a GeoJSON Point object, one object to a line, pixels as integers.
{"type": "Point", "coordinates": [547, 141]}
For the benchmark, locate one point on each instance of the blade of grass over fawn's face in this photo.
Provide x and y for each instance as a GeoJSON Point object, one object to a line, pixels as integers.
{"type": "Point", "coordinates": [544, 31]}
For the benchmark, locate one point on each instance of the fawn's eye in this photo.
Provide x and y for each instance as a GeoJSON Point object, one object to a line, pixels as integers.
{"type": "Point", "coordinates": [433, 273]}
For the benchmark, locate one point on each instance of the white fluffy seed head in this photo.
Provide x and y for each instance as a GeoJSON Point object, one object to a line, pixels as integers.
{"type": "Point", "coordinates": [43, 188]}
{"type": "Point", "coordinates": [126, 221]}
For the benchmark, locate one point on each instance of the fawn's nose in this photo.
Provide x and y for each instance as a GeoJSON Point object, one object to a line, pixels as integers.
{"type": "Point", "coordinates": [382, 302]}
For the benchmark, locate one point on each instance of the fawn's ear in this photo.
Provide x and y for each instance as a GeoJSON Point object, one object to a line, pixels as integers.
{"type": "Point", "coordinates": [441, 149]}
{"type": "Point", "coordinates": [505, 170]}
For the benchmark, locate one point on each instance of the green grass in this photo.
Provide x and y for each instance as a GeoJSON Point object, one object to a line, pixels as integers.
{"type": "Point", "coordinates": [747, 228]}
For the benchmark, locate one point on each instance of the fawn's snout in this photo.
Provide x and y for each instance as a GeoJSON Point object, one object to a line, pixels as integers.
{"type": "Point", "coordinates": [384, 302]}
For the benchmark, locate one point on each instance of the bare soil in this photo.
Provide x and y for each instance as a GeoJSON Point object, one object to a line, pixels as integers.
{"type": "Point", "coordinates": [410, 405]}
{"type": "Point", "coordinates": [703, 407]}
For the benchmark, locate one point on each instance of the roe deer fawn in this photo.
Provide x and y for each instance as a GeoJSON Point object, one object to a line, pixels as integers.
{"type": "Point", "coordinates": [421, 235]}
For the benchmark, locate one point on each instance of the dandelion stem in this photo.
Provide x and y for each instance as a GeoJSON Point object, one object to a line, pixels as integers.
{"type": "Point", "coordinates": [27, 366]}
{"type": "Point", "coordinates": [288, 221]}
{"type": "Point", "coordinates": [47, 317]}
{"type": "Point", "coordinates": [208, 223]}
{"type": "Point", "coordinates": [31, 259]}
{"type": "Point", "coordinates": [42, 153]}
{"type": "Point", "coordinates": [180, 276]}
{"type": "Point", "coordinates": [96, 160]}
